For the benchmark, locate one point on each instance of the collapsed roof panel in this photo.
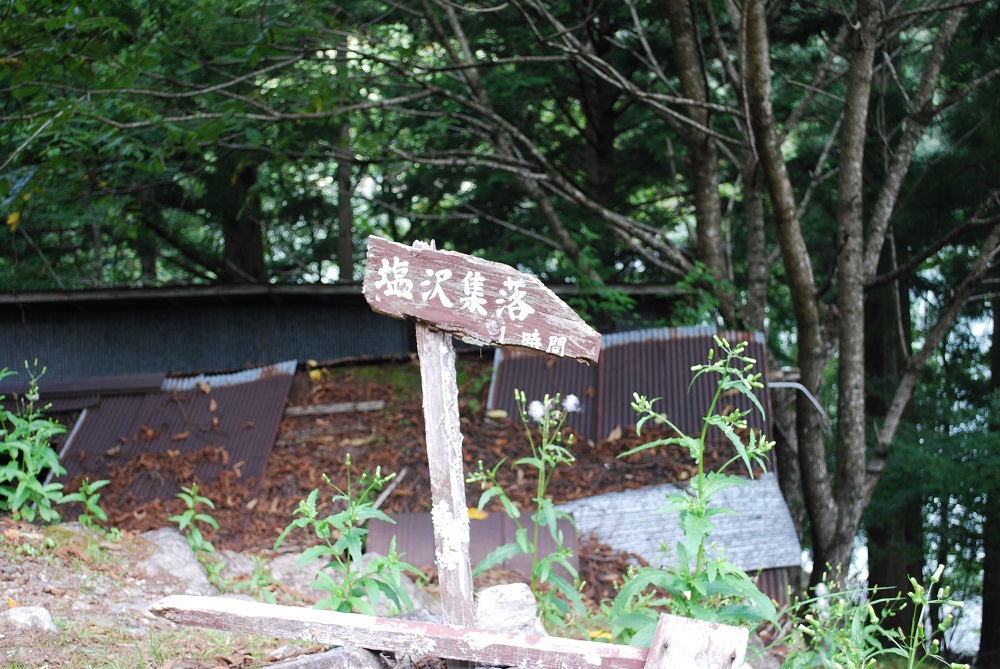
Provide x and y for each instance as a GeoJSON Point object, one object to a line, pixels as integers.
{"type": "Point", "coordinates": [654, 362]}
{"type": "Point", "coordinates": [233, 419]}
{"type": "Point", "coordinates": [624, 521]}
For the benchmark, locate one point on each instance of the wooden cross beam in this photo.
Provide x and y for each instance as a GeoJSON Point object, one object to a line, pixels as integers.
{"type": "Point", "coordinates": [679, 643]}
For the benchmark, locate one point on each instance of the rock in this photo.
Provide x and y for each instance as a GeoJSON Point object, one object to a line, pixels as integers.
{"type": "Point", "coordinates": [237, 566]}
{"type": "Point", "coordinates": [286, 571]}
{"type": "Point", "coordinates": [508, 608]}
{"type": "Point", "coordinates": [345, 657]}
{"type": "Point", "coordinates": [285, 652]}
{"type": "Point", "coordinates": [28, 617]}
{"type": "Point", "coordinates": [757, 656]}
{"type": "Point", "coordinates": [173, 556]}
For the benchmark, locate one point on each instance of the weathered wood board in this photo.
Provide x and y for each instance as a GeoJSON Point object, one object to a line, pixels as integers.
{"type": "Point", "coordinates": [478, 301]}
{"type": "Point", "coordinates": [396, 635]}
{"type": "Point", "coordinates": [449, 510]}
{"type": "Point", "coordinates": [684, 643]}
{"type": "Point", "coordinates": [338, 407]}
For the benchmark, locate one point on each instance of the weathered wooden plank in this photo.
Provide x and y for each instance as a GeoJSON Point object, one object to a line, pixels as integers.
{"type": "Point", "coordinates": [479, 301]}
{"type": "Point", "coordinates": [685, 643]}
{"type": "Point", "coordinates": [449, 511]}
{"type": "Point", "coordinates": [339, 407]}
{"type": "Point", "coordinates": [397, 635]}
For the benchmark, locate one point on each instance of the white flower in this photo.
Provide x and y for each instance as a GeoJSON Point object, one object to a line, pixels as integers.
{"type": "Point", "coordinates": [571, 404]}
{"type": "Point", "coordinates": [536, 411]}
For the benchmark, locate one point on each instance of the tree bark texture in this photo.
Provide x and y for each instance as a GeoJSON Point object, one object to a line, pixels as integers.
{"type": "Point", "coordinates": [833, 542]}
{"type": "Point", "coordinates": [989, 639]}
{"type": "Point", "coordinates": [702, 152]}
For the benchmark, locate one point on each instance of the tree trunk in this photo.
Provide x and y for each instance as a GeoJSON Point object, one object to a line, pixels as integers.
{"type": "Point", "coordinates": [812, 350]}
{"type": "Point", "coordinates": [701, 147]}
{"type": "Point", "coordinates": [835, 548]}
{"type": "Point", "coordinates": [243, 255]}
{"type": "Point", "coordinates": [345, 211]}
{"type": "Point", "coordinates": [989, 640]}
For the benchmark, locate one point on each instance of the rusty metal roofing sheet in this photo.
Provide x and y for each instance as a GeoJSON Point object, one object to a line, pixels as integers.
{"type": "Point", "coordinates": [236, 420]}
{"type": "Point", "coordinates": [654, 362]}
{"type": "Point", "coordinates": [414, 534]}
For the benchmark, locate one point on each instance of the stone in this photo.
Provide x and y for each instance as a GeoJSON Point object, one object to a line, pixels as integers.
{"type": "Point", "coordinates": [237, 566]}
{"type": "Point", "coordinates": [297, 579]}
{"type": "Point", "coordinates": [508, 608]}
{"type": "Point", "coordinates": [345, 657]}
{"type": "Point", "coordinates": [28, 618]}
{"type": "Point", "coordinates": [173, 556]}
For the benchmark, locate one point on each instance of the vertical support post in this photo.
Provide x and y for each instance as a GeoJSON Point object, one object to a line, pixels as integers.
{"type": "Point", "coordinates": [447, 469]}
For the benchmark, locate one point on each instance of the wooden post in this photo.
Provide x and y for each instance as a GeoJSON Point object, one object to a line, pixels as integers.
{"type": "Point", "coordinates": [449, 511]}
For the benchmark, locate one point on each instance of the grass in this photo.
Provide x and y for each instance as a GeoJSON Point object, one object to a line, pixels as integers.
{"type": "Point", "coordinates": [99, 637]}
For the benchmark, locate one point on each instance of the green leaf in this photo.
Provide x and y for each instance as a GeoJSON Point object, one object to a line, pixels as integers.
{"type": "Point", "coordinates": [498, 555]}
{"type": "Point", "coordinates": [313, 553]}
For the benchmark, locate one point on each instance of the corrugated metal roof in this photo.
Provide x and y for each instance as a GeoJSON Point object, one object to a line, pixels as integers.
{"type": "Point", "coordinates": [235, 422]}
{"type": "Point", "coordinates": [653, 362]}
{"type": "Point", "coordinates": [624, 521]}
{"type": "Point", "coordinates": [114, 338]}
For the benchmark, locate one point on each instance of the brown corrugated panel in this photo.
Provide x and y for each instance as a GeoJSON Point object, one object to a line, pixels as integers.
{"type": "Point", "coordinates": [540, 375]}
{"type": "Point", "coordinates": [237, 423]}
{"type": "Point", "coordinates": [414, 534]}
{"type": "Point", "coordinates": [776, 584]}
{"type": "Point", "coordinates": [654, 362]}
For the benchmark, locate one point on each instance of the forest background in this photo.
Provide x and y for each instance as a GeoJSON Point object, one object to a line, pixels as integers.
{"type": "Point", "coordinates": [822, 171]}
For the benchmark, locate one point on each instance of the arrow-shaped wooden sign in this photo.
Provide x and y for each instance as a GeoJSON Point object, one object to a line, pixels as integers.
{"type": "Point", "coordinates": [478, 301]}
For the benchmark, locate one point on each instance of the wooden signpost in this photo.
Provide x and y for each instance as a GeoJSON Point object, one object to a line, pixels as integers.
{"type": "Point", "coordinates": [483, 303]}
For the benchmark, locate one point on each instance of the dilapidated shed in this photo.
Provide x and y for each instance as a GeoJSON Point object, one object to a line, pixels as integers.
{"type": "Point", "coordinates": [657, 362]}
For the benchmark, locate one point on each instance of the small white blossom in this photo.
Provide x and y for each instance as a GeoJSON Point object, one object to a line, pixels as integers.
{"type": "Point", "coordinates": [571, 403]}
{"type": "Point", "coordinates": [536, 411]}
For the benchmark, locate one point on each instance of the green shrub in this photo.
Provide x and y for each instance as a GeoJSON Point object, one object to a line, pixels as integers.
{"type": "Point", "coordinates": [697, 585]}
{"type": "Point", "coordinates": [27, 457]}
{"type": "Point", "coordinates": [341, 538]}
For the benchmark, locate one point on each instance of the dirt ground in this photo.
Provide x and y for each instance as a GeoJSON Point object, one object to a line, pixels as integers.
{"type": "Point", "coordinates": [251, 513]}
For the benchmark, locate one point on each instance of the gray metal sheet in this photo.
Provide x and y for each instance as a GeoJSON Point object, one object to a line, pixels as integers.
{"type": "Point", "coordinates": [760, 536]}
